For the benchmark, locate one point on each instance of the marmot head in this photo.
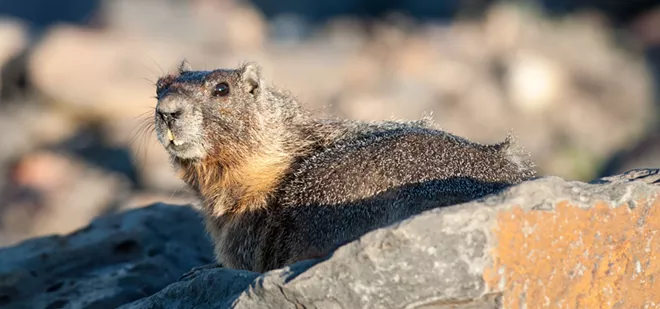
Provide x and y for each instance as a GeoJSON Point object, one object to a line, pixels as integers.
{"type": "Point", "coordinates": [200, 113]}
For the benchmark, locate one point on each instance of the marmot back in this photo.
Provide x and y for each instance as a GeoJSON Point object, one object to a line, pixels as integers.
{"type": "Point", "coordinates": [278, 186]}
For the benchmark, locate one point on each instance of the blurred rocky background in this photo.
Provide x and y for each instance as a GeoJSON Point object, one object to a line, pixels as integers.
{"type": "Point", "coordinates": [577, 81]}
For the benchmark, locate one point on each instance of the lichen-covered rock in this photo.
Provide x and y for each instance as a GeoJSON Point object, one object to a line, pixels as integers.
{"type": "Point", "coordinates": [546, 243]}
{"type": "Point", "coordinates": [113, 261]}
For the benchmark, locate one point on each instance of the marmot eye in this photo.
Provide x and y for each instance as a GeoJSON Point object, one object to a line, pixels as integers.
{"type": "Point", "coordinates": [221, 90]}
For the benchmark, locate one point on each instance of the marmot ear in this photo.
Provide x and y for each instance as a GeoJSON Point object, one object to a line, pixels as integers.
{"type": "Point", "coordinates": [251, 77]}
{"type": "Point", "coordinates": [184, 67]}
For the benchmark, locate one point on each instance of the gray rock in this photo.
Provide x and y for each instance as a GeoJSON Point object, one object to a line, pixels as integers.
{"type": "Point", "coordinates": [210, 288]}
{"type": "Point", "coordinates": [115, 260]}
{"type": "Point", "coordinates": [433, 260]}
{"type": "Point", "coordinates": [442, 258]}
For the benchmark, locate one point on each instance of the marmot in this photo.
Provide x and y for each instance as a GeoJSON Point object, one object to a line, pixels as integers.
{"type": "Point", "coordinates": [278, 186]}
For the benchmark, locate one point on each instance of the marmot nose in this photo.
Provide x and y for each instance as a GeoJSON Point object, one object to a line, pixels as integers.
{"type": "Point", "coordinates": [169, 117]}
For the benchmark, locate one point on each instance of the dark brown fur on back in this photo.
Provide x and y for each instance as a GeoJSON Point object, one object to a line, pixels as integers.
{"type": "Point", "coordinates": [278, 186]}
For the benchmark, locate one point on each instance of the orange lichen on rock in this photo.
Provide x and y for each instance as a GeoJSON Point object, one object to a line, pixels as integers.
{"type": "Point", "coordinates": [571, 257]}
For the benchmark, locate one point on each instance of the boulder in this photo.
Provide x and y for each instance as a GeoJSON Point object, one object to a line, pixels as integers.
{"type": "Point", "coordinates": [115, 260]}
{"type": "Point", "coordinates": [98, 75]}
{"type": "Point", "coordinates": [545, 243]}
{"type": "Point", "coordinates": [52, 192]}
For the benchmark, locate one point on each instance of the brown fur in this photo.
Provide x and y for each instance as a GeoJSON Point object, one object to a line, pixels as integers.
{"type": "Point", "coordinates": [251, 181]}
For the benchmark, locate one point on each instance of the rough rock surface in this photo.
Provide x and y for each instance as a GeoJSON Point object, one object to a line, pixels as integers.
{"type": "Point", "coordinates": [545, 243]}
{"type": "Point", "coordinates": [473, 256]}
{"type": "Point", "coordinates": [115, 260]}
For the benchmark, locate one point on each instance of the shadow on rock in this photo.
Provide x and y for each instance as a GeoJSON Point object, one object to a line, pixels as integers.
{"type": "Point", "coordinates": [115, 260]}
